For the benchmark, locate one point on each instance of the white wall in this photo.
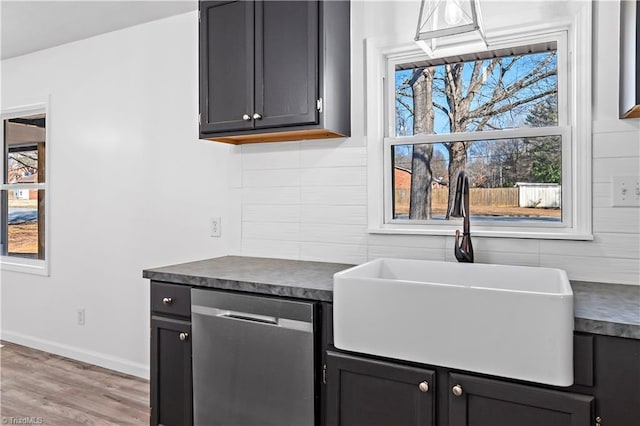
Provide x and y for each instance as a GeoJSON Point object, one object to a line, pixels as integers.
{"type": "Point", "coordinates": [307, 200]}
{"type": "Point", "coordinates": [131, 187]}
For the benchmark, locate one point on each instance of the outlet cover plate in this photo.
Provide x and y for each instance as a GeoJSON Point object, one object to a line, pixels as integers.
{"type": "Point", "coordinates": [215, 226]}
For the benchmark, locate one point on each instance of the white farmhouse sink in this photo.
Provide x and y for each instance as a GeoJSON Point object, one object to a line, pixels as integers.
{"type": "Point", "coordinates": [508, 321]}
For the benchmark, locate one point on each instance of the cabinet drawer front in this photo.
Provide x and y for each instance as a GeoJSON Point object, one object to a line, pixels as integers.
{"type": "Point", "coordinates": [171, 299]}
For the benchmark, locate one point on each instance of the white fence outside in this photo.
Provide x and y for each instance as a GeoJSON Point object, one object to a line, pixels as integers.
{"type": "Point", "coordinates": [543, 195]}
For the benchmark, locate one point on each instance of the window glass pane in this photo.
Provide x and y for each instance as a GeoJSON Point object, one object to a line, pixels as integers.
{"type": "Point", "coordinates": [24, 223]}
{"type": "Point", "coordinates": [510, 179]}
{"type": "Point", "coordinates": [25, 140]}
{"type": "Point", "coordinates": [475, 95]}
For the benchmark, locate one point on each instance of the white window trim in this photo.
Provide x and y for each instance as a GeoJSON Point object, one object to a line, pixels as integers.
{"type": "Point", "coordinates": [577, 207]}
{"type": "Point", "coordinates": [14, 263]}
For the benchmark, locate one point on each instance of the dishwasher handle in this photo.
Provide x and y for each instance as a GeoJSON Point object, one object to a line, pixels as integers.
{"type": "Point", "coordinates": [306, 326]}
{"type": "Point", "coordinates": [245, 316]}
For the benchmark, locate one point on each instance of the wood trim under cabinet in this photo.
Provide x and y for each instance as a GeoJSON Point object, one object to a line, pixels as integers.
{"type": "Point", "coordinates": [293, 135]}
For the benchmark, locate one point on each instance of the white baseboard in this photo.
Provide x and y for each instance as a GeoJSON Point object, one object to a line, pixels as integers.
{"type": "Point", "coordinates": [90, 357]}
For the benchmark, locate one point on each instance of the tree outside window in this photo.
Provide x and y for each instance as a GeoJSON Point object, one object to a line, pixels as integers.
{"type": "Point", "coordinates": [511, 179]}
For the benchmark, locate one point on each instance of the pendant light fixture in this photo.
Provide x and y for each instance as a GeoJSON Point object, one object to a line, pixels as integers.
{"type": "Point", "coordinates": [442, 19]}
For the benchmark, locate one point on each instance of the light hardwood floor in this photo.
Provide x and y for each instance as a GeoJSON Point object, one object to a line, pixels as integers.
{"type": "Point", "coordinates": [43, 388]}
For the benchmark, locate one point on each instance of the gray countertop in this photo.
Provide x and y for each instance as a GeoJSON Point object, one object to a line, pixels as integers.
{"type": "Point", "coordinates": [609, 309]}
{"type": "Point", "coordinates": [280, 277]}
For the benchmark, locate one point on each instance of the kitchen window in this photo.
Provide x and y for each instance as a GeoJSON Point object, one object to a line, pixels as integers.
{"type": "Point", "coordinates": [24, 190]}
{"type": "Point", "coordinates": [512, 117]}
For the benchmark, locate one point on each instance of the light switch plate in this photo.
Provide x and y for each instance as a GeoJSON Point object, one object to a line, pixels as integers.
{"type": "Point", "coordinates": [626, 191]}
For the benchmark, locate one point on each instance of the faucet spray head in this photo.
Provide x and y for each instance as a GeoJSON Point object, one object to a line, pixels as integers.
{"type": "Point", "coordinates": [462, 189]}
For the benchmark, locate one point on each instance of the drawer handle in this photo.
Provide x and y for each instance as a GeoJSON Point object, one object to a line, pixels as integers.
{"type": "Point", "coordinates": [167, 300]}
{"type": "Point", "coordinates": [257, 116]}
{"type": "Point", "coordinates": [423, 386]}
{"type": "Point", "coordinates": [183, 336]}
{"type": "Point", "coordinates": [457, 390]}
{"type": "Point", "coordinates": [246, 117]}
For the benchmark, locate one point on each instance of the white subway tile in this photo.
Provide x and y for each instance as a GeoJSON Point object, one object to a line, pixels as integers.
{"type": "Point", "coordinates": [500, 257]}
{"type": "Point", "coordinates": [624, 246]}
{"type": "Point", "coordinates": [431, 242]}
{"type": "Point", "coordinates": [616, 219]}
{"type": "Point", "coordinates": [272, 195]}
{"type": "Point", "coordinates": [333, 214]}
{"type": "Point", "coordinates": [264, 178]}
{"type": "Point", "coordinates": [353, 141]}
{"type": "Point", "coordinates": [605, 168]}
{"type": "Point", "coordinates": [271, 248]}
{"type": "Point", "coordinates": [619, 144]}
{"type": "Point", "coordinates": [339, 253]}
{"type": "Point", "coordinates": [334, 195]}
{"type": "Point", "coordinates": [333, 233]}
{"type": "Point", "coordinates": [286, 231]}
{"type": "Point", "coordinates": [602, 196]}
{"type": "Point", "coordinates": [351, 176]}
{"type": "Point", "coordinates": [314, 156]}
{"type": "Point", "coordinates": [260, 156]}
{"type": "Point", "coordinates": [608, 270]}
{"type": "Point", "coordinates": [420, 253]}
{"type": "Point", "coordinates": [615, 126]}
{"type": "Point", "coordinates": [270, 213]}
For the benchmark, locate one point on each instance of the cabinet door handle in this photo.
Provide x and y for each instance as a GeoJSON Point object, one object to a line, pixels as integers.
{"type": "Point", "coordinates": [257, 116]}
{"type": "Point", "coordinates": [424, 386]}
{"type": "Point", "coordinates": [167, 300]}
{"type": "Point", "coordinates": [457, 390]}
{"type": "Point", "coordinates": [183, 336]}
{"type": "Point", "coordinates": [246, 117]}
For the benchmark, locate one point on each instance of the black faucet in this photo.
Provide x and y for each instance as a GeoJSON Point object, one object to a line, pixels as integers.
{"type": "Point", "coordinates": [463, 249]}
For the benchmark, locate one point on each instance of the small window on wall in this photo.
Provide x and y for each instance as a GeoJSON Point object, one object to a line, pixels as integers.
{"type": "Point", "coordinates": [23, 192]}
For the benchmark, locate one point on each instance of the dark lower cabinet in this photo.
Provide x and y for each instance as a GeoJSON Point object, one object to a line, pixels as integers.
{"type": "Point", "coordinates": [171, 388]}
{"type": "Point", "coordinates": [365, 392]}
{"type": "Point", "coordinates": [362, 390]}
{"type": "Point", "coordinates": [476, 401]}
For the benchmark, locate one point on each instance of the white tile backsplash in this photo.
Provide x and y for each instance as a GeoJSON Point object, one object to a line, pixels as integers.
{"type": "Point", "coordinates": [336, 195]}
{"type": "Point", "coordinates": [352, 176]}
{"type": "Point", "coordinates": [271, 178]}
{"type": "Point", "coordinates": [313, 205]}
{"type": "Point", "coordinates": [307, 200]}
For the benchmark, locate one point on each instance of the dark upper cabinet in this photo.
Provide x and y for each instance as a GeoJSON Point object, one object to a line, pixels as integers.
{"type": "Point", "coordinates": [480, 401]}
{"type": "Point", "coordinates": [226, 65]}
{"type": "Point", "coordinates": [274, 70]}
{"type": "Point", "coordinates": [286, 53]}
{"type": "Point", "coordinates": [630, 59]}
{"type": "Point", "coordinates": [366, 392]}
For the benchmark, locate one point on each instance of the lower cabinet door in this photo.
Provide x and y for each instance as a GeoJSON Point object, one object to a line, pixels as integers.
{"type": "Point", "coordinates": [476, 401]}
{"type": "Point", "coordinates": [365, 392]}
{"type": "Point", "coordinates": [171, 389]}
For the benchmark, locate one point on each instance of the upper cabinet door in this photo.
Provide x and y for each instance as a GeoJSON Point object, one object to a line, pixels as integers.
{"type": "Point", "coordinates": [226, 65]}
{"type": "Point", "coordinates": [286, 67]}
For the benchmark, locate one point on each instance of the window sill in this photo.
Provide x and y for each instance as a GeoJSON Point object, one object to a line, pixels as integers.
{"type": "Point", "coordinates": [27, 266]}
{"type": "Point", "coordinates": [479, 232]}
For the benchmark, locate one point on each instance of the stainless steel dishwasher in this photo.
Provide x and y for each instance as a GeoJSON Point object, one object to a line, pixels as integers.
{"type": "Point", "coordinates": [252, 360]}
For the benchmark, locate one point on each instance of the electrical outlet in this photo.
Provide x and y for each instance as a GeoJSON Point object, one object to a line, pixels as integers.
{"type": "Point", "coordinates": [626, 191]}
{"type": "Point", "coordinates": [215, 226]}
{"type": "Point", "coordinates": [80, 316]}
